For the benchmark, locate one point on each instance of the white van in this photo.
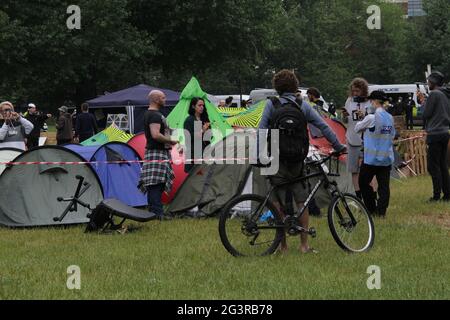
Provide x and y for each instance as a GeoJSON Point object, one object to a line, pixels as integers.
{"type": "Point", "coordinates": [400, 90]}
{"type": "Point", "coordinates": [395, 91]}
{"type": "Point", "coordinates": [236, 99]}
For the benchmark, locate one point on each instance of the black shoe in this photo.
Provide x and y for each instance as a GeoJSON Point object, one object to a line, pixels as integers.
{"type": "Point", "coordinates": [446, 199]}
{"type": "Point", "coordinates": [434, 200]}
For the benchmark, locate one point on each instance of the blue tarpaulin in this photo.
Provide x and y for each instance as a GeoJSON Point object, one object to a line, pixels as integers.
{"type": "Point", "coordinates": [119, 181]}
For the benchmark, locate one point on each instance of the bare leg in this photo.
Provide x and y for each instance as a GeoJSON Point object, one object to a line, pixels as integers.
{"type": "Point", "coordinates": [355, 178]}
{"type": "Point", "coordinates": [304, 223]}
{"type": "Point", "coordinates": [283, 245]}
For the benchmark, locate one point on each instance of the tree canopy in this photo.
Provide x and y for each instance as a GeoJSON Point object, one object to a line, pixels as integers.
{"type": "Point", "coordinates": [231, 46]}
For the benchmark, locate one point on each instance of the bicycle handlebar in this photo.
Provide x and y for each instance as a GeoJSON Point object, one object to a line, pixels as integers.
{"type": "Point", "coordinates": [335, 154]}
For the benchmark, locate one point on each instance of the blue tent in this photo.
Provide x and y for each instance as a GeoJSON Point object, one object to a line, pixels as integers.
{"type": "Point", "coordinates": [135, 100]}
{"type": "Point", "coordinates": [119, 181]}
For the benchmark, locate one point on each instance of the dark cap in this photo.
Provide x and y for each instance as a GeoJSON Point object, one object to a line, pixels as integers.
{"type": "Point", "coordinates": [378, 95]}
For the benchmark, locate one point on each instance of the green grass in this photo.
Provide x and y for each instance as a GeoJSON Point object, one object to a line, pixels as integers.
{"type": "Point", "coordinates": [184, 259]}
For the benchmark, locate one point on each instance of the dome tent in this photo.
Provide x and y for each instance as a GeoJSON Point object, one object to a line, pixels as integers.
{"type": "Point", "coordinates": [7, 155]}
{"type": "Point", "coordinates": [110, 134]}
{"type": "Point", "coordinates": [119, 181]}
{"type": "Point", "coordinates": [138, 143]}
{"type": "Point", "coordinates": [29, 192]}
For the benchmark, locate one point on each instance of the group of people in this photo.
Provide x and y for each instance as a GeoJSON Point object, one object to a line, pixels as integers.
{"type": "Point", "coordinates": [22, 131]}
{"type": "Point", "coordinates": [370, 142]}
{"type": "Point", "coordinates": [75, 127]}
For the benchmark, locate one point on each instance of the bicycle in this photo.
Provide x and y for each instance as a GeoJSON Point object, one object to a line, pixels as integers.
{"type": "Point", "coordinates": [254, 223]}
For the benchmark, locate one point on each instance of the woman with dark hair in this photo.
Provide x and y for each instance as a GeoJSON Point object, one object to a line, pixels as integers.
{"type": "Point", "coordinates": [196, 125]}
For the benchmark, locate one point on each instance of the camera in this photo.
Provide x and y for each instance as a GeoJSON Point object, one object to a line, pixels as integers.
{"type": "Point", "coordinates": [359, 99]}
{"type": "Point", "coordinates": [356, 116]}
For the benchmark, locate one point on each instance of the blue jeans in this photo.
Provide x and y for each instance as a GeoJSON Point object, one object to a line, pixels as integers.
{"type": "Point", "coordinates": [154, 194]}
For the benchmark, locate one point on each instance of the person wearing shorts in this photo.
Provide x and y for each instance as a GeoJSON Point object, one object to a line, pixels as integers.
{"type": "Point", "coordinates": [286, 84]}
{"type": "Point", "coordinates": [355, 111]}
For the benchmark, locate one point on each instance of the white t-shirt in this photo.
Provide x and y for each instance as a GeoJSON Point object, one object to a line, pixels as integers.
{"type": "Point", "coordinates": [353, 138]}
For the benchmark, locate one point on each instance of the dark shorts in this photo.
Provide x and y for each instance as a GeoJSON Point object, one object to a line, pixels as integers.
{"type": "Point", "coordinates": [286, 173]}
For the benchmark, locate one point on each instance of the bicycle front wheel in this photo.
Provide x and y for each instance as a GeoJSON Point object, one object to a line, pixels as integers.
{"type": "Point", "coordinates": [250, 226]}
{"type": "Point", "coordinates": [351, 224]}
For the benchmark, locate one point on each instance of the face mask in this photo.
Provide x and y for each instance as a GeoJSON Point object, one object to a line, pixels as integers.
{"type": "Point", "coordinates": [371, 109]}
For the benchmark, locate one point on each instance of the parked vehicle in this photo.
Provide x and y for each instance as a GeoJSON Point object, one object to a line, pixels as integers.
{"type": "Point", "coordinates": [395, 91]}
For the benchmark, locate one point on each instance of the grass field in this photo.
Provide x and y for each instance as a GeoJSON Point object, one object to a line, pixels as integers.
{"type": "Point", "coordinates": [184, 259]}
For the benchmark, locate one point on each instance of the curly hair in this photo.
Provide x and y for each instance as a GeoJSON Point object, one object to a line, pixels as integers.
{"type": "Point", "coordinates": [285, 81]}
{"type": "Point", "coordinates": [361, 84]}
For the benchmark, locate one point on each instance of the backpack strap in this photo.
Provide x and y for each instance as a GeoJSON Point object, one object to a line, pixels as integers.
{"type": "Point", "coordinates": [276, 102]}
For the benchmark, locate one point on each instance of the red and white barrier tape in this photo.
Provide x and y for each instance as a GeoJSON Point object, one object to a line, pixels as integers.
{"type": "Point", "coordinates": [120, 162]}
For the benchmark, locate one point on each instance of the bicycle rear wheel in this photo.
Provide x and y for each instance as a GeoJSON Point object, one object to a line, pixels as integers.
{"type": "Point", "coordinates": [352, 237]}
{"type": "Point", "coordinates": [248, 227]}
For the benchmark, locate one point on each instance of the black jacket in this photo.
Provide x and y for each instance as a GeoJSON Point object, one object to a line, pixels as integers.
{"type": "Point", "coordinates": [37, 120]}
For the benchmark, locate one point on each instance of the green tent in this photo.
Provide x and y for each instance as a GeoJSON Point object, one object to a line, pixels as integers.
{"type": "Point", "coordinates": [250, 118]}
{"type": "Point", "coordinates": [111, 134]}
{"type": "Point", "coordinates": [178, 116]}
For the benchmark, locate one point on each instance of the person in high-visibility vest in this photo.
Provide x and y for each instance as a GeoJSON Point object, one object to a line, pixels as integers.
{"type": "Point", "coordinates": [379, 135]}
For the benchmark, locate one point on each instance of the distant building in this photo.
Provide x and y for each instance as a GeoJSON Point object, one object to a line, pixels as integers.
{"type": "Point", "coordinates": [415, 8]}
{"type": "Point", "coordinates": [412, 8]}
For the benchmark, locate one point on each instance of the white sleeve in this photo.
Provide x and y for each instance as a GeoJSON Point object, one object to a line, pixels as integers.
{"type": "Point", "coordinates": [3, 131]}
{"type": "Point", "coordinates": [368, 122]}
{"type": "Point", "coordinates": [27, 125]}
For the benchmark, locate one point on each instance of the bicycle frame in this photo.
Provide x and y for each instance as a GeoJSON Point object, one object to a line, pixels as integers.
{"type": "Point", "coordinates": [323, 181]}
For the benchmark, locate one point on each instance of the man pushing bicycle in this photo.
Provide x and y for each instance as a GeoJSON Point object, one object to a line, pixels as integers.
{"type": "Point", "coordinates": [290, 115]}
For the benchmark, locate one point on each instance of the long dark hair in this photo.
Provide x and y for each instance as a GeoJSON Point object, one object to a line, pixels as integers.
{"type": "Point", "coordinates": [204, 117]}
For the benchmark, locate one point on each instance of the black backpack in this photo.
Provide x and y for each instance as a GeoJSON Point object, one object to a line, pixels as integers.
{"type": "Point", "coordinates": [291, 122]}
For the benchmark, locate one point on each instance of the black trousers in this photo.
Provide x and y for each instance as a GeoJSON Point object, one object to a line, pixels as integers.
{"type": "Point", "coordinates": [409, 121]}
{"type": "Point", "coordinates": [32, 142]}
{"type": "Point", "coordinates": [438, 167]}
{"type": "Point", "coordinates": [383, 175]}
{"type": "Point", "coordinates": [61, 142]}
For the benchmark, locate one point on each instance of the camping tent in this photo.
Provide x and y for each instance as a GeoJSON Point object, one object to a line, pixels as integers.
{"type": "Point", "coordinates": [7, 155]}
{"type": "Point", "coordinates": [220, 128]}
{"type": "Point", "coordinates": [135, 100]}
{"type": "Point", "coordinates": [29, 192]}
{"type": "Point", "coordinates": [119, 181]}
{"type": "Point", "coordinates": [111, 134]}
{"type": "Point", "coordinates": [138, 143]}
{"type": "Point", "coordinates": [250, 118]}
{"type": "Point", "coordinates": [210, 187]}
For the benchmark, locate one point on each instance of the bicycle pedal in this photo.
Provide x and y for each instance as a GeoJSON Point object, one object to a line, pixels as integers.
{"type": "Point", "coordinates": [313, 232]}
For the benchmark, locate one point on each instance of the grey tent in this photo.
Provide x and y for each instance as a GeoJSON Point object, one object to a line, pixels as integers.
{"type": "Point", "coordinates": [29, 192]}
{"type": "Point", "coordinates": [7, 155]}
{"type": "Point", "coordinates": [210, 187]}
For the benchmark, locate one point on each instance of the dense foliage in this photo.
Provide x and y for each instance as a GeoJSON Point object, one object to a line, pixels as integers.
{"type": "Point", "coordinates": [232, 46]}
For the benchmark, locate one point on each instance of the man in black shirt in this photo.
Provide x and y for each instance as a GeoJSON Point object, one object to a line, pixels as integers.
{"type": "Point", "coordinates": [86, 125]}
{"type": "Point", "coordinates": [157, 173]}
{"type": "Point", "coordinates": [37, 119]}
